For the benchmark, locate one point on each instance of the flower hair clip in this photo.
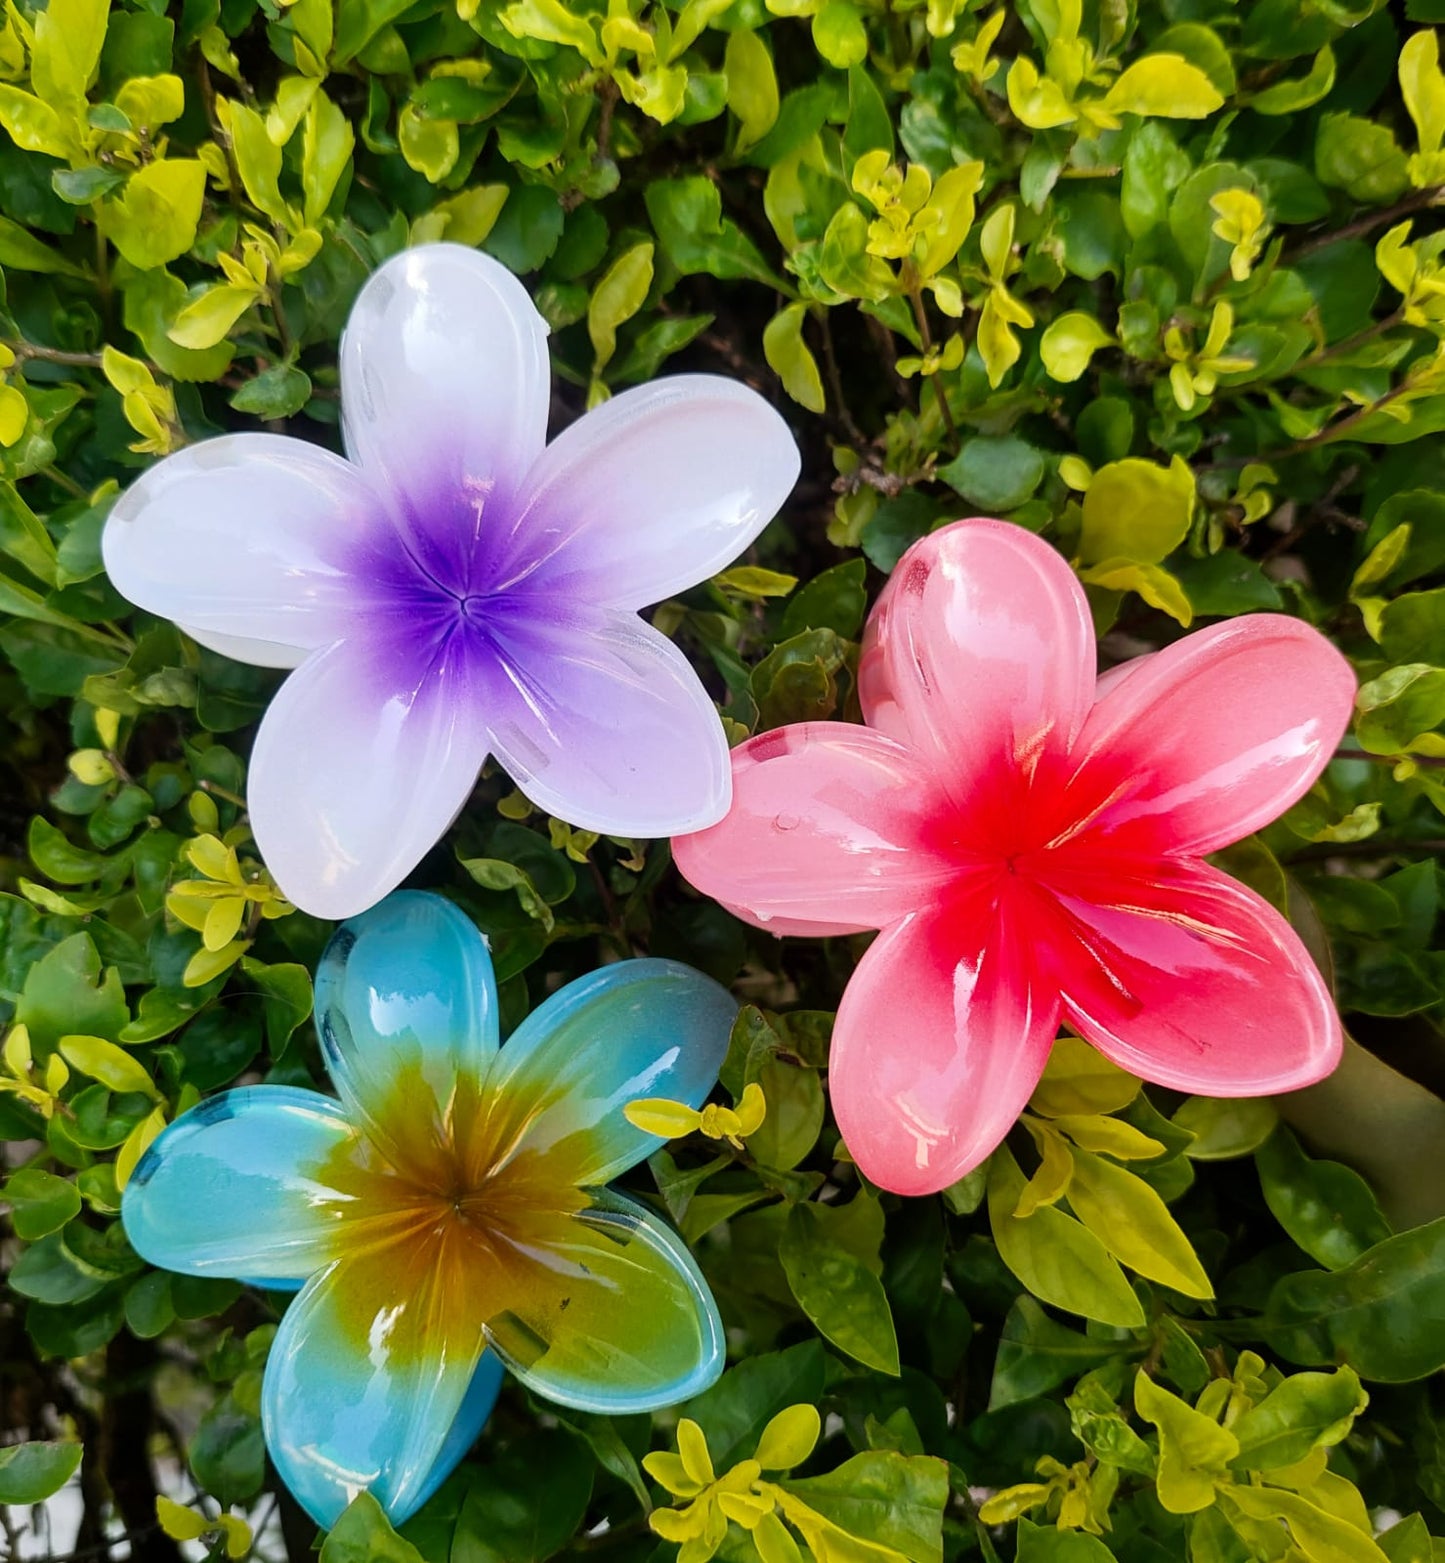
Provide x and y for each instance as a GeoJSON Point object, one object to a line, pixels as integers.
{"type": "Point", "coordinates": [1030, 841]}
{"type": "Point", "coordinates": [457, 587]}
{"type": "Point", "coordinates": [449, 1215]}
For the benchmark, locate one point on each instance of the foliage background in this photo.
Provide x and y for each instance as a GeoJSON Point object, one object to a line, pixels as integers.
{"type": "Point", "coordinates": [1161, 281]}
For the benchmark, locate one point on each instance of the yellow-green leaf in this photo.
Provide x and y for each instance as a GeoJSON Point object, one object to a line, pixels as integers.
{"type": "Point", "coordinates": [154, 218]}
{"type": "Point", "coordinates": [431, 146]}
{"type": "Point", "coordinates": [1194, 1450]}
{"type": "Point", "coordinates": [207, 318]}
{"type": "Point", "coordinates": [14, 414]}
{"type": "Point", "coordinates": [1039, 102]}
{"type": "Point", "coordinates": [34, 126]}
{"type": "Point", "coordinates": [1137, 510]}
{"type": "Point", "coordinates": [1056, 1257]}
{"type": "Point", "coordinates": [656, 1115]}
{"type": "Point", "coordinates": [752, 86]}
{"type": "Point", "coordinates": [111, 1065]}
{"type": "Point", "coordinates": [789, 1438]}
{"type": "Point", "coordinates": [463, 219]}
{"type": "Point", "coordinates": [1164, 86]}
{"type": "Point", "coordinates": [617, 298]}
{"type": "Point", "coordinates": [1079, 1079]}
{"type": "Point", "coordinates": [790, 358]}
{"type": "Point", "coordinates": [1134, 1224]}
{"type": "Point", "coordinates": [1423, 88]}
{"type": "Point", "coordinates": [258, 160]}
{"type": "Point", "coordinates": [68, 39]}
{"type": "Point", "coordinates": [1319, 1536]}
{"type": "Point", "coordinates": [326, 145]}
{"type": "Point", "coordinates": [1152, 582]}
{"type": "Point", "coordinates": [1055, 1170]}
{"type": "Point", "coordinates": [1068, 344]}
{"type": "Point", "coordinates": [136, 1144]}
{"type": "Point", "coordinates": [1109, 1136]}
{"type": "Point", "coordinates": [179, 1522]}
{"type": "Point", "coordinates": [951, 208]}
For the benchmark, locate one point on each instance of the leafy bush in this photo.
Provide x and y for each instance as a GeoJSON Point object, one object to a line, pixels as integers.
{"type": "Point", "coordinates": [1163, 283]}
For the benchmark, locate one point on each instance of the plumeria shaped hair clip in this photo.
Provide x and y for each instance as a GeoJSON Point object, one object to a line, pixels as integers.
{"type": "Point", "coordinates": [457, 587]}
{"type": "Point", "coordinates": [448, 1216]}
{"type": "Point", "coordinates": [1030, 841]}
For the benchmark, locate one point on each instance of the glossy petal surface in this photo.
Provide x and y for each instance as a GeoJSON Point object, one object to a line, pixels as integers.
{"type": "Point", "coordinates": [406, 988]}
{"type": "Point", "coordinates": [830, 830]}
{"type": "Point", "coordinates": [253, 542]}
{"type": "Point", "coordinates": [232, 1188]}
{"type": "Point", "coordinates": [1029, 845]}
{"type": "Point", "coordinates": [601, 720]}
{"type": "Point", "coordinates": [363, 759]}
{"type": "Point", "coordinates": [940, 1040]}
{"type": "Point", "coordinates": [620, 1320]}
{"type": "Point", "coordinates": [979, 656]}
{"type": "Point", "coordinates": [638, 1029]}
{"type": "Point", "coordinates": [371, 1367]}
{"type": "Point", "coordinates": [1187, 978]}
{"type": "Point", "coordinates": [1218, 734]}
{"type": "Point", "coordinates": [444, 393]}
{"type": "Point", "coordinates": [655, 490]}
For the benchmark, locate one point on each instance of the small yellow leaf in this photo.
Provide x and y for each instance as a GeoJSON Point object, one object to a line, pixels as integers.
{"type": "Point", "coordinates": [1079, 1079]}
{"type": "Point", "coordinates": [789, 1438]}
{"type": "Point", "coordinates": [1110, 1136]}
{"type": "Point", "coordinates": [111, 1065]}
{"type": "Point", "coordinates": [179, 1522]}
{"type": "Point", "coordinates": [656, 1115]}
{"type": "Point", "coordinates": [137, 1142]}
{"type": "Point", "coordinates": [692, 1450]}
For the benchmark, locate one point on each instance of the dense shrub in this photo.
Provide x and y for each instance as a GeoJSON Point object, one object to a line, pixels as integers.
{"type": "Point", "coordinates": [1162, 282]}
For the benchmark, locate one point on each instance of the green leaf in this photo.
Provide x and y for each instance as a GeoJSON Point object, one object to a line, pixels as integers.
{"type": "Point", "coordinates": [40, 1203]}
{"type": "Point", "coordinates": [1137, 510]}
{"type": "Point", "coordinates": [22, 251]}
{"type": "Point", "coordinates": [1165, 86]}
{"type": "Point", "coordinates": [734, 1412]}
{"type": "Point", "coordinates": [526, 1503]}
{"type": "Point", "coordinates": [1134, 1224]}
{"type": "Point", "coordinates": [995, 472]}
{"type": "Point", "coordinates": [836, 600]}
{"type": "Point", "coordinates": [890, 1499]}
{"type": "Point", "coordinates": [1047, 1544]}
{"type": "Point", "coordinates": [1225, 1128]}
{"type": "Point", "coordinates": [31, 1473]}
{"type": "Point", "coordinates": [286, 999]}
{"type": "Point", "coordinates": [1359, 157]}
{"type": "Point", "coordinates": [1302, 92]}
{"type": "Point", "coordinates": [687, 217]}
{"type": "Point", "coordinates": [364, 1535]}
{"type": "Point", "coordinates": [1327, 1208]}
{"type": "Point", "coordinates": [154, 218]}
{"type": "Point", "coordinates": [1307, 1411]}
{"type": "Point", "coordinates": [1054, 1256]}
{"type": "Point", "coordinates": [228, 1459]}
{"type": "Point", "coordinates": [837, 1291]}
{"type": "Point", "coordinates": [1384, 1314]}
{"type": "Point", "coordinates": [66, 993]}
{"type": "Point", "coordinates": [278, 392]}
{"type": "Point", "coordinates": [1194, 1450]}
{"type": "Point", "coordinates": [1035, 1355]}
{"type": "Point", "coordinates": [790, 358]}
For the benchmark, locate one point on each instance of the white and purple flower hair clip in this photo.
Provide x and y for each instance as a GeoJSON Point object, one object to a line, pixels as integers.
{"type": "Point", "coordinates": [457, 587]}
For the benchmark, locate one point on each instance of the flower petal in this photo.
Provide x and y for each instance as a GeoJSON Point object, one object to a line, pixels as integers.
{"type": "Point", "coordinates": [1216, 735]}
{"type": "Point", "coordinates": [602, 721]}
{"type": "Point", "coordinates": [363, 759]}
{"type": "Point", "coordinates": [830, 829]}
{"type": "Point", "coordinates": [941, 1038]}
{"type": "Point", "coordinates": [653, 491]}
{"type": "Point", "coordinates": [620, 1319]}
{"type": "Point", "coordinates": [1180, 974]}
{"type": "Point", "coordinates": [254, 543]}
{"type": "Point", "coordinates": [406, 989]}
{"type": "Point", "coordinates": [372, 1368]}
{"type": "Point", "coordinates": [231, 1188]}
{"type": "Point", "coordinates": [980, 654]}
{"type": "Point", "coordinates": [444, 394]}
{"type": "Point", "coordinates": [637, 1029]}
